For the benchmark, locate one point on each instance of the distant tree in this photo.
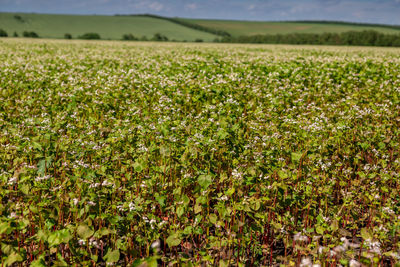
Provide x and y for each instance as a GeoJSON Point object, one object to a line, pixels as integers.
{"type": "Point", "coordinates": [198, 40]}
{"type": "Point", "coordinates": [19, 18]}
{"type": "Point", "coordinates": [67, 36]}
{"type": "Point", "coordinates": [3, 33]}
{"type": "Point", "coordinates": [129, 37]}
{"type": "Point", "coordinates": [30, 34]}
{"type": "Point", "coordinates": [144, 38]}
{"type": "Point", "coordinates": [15, 34]}
{"type": "Point", "coordinates": [90, 36]}
{"type": "Point", "coordinates": [158, 37]}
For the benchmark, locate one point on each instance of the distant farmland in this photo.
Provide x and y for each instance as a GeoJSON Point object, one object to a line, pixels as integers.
{"type": "Point", "coordinates": [146, 26]}
{"type": "Point", "coordinates": [109, 27]}
{"type": "Point", "coordinates": [238, 28]}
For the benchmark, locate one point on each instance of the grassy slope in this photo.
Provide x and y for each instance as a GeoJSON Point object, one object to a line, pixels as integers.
{"type": "Point", "coordinates": [109, 27]}
{"type": "Point", "coordinates": [237, 28]}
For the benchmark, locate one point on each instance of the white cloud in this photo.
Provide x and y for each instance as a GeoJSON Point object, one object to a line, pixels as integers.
{"type": "Point", "coordinates": [156, 6]}
{"type": "Point", "coordinates": [191, 6]}
{"type": "Point", "coordinates": [251, 7]}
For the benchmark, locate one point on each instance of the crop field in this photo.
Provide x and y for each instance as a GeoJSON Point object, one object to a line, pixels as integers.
{"type": "Point", "coordinates": [238, 28]}
{"type": "Point", "coordinates": [131, 154]}
{"type": "Point", "coordinates": [108, 27]}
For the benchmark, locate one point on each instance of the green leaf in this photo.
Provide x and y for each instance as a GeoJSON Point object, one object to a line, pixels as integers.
{"type": "Point", "coordinates": [173, 240]}
{"type": "Point", "coordinates": [204, 180]}
{"type": "Point", "coordinates": [14, 257]}
{"type": "Point", "coordinates": [4, 227]}
{"type": "Point", "coordinates": [37, 145]}
{"type": "Point", "coordinates": [61, 236]}
{"type": "Point", "coordinates": [180, 211]}
{"type": "Point", "coordinates": [53, 240]}
{"type": "Point", "coordinates": [41, 167]}
{"type": "Point", "coordinates": [296, 156]}
{"type": "Point", "coordinates": [335, 225]}
{"type": "Point", "coordinates": [152, 262]}
{"type": "Point", "coordinates": [222, 134]}
{"type": "Point", "coordinates": [103, 231]}
{"type": "Point", "coordinates": [40, 262]}
{"type": "Point", "coordinates": [319, 229]}
{"type": "Point", "coordinates": [24, 188]}
{"type": "Point", "coordinates": [197, 208]}
{"type": "Point", "coordinates": [213, 218]}
{"type": "Point", "coordinates": [138, 166]}
{"type": "Point", "coordinates": [112, 256]}
{"type": "Point", "coordinates": [84, 231]}
{"type": "Point", "coordinates": [366, 234]}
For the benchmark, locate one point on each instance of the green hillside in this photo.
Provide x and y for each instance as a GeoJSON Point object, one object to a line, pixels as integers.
{"type": "Point", "coordinates": [109, 27]}
{"type": "Point", "coordinates": [238, 28]}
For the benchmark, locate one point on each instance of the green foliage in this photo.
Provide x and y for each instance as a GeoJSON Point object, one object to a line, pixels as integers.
{"type": "Point", "coordinates": [3, 33]}
{"type": "Point", "coordinates": [129, 37]}
{"type": "Point", "coordinates": [158, 37]}
{"type": "Point", "coordinates": [67, 36]}
{"type": "Point", "coordinates": [19, 18]}
{"type": "Point", "coordinates": [236, 28]}
{"type": "Point", "coordinates": [365, 38]}
{"type": "Point", "coordinates": [192, 25]}
{"type": "Point", "coordinates": [112, 256]}
{"type": "Point", "coordinates": [90, 36]}
{"type": "Point", "coordinates": [127, 154]}
{"type": "Point", "coordinates": [30, 34]}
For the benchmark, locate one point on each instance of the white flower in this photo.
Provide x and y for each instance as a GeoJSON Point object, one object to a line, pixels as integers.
{"type": "Point", "coordinates": [236, 174]}
{"type": "Point", "coordinates": [94, 185]}
{"type": "Point", "coordinates": [42, 178]}
{"type": "Point", "coordinates": [224, 198]}
{"type": "Point", "coordinates": [93, 242]}
{"type": "Point", "coordinates": [156, 245]}
{"type": "Point", "coordinates": [75, 201]}
{"type": "Point", "coordinates": [300, 237]}
{"type": "Point", "coordinates": [91, 203]}
{"type": "Point", "coordinates": [106, 183]}
{"type": "Point", "coordinates": [354, 263]}
{"type": "Point", "coordinates": [306, 262]}
{"type": "Point", "coordinates": [12, 181]}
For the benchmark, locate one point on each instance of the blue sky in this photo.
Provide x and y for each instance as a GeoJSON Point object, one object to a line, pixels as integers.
{"type": "Point", "coordinates": [373, 11]}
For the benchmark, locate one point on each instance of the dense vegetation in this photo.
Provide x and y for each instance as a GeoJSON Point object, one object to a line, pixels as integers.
{"type": "Point", "coordinates": [238, 28]}
{"type": "Point", "coordinates": [3, 33]}
{"type": "Point", "coordinates": [90, 36]}
{"type": "Point", "coordinates": [30, 34]}
{"type": "Point", "coordinates": [129, 37]}
{"type": "Point", "coordinates": [189, 24]}
{"type": "Point", "coordinates": [188, 154]}
{"type": "Point", "coordinates": [356, 24]}
{"type": "Point", "coordinates": [67, 36]}
{"type": "Point", "coordinates": [368, 38]}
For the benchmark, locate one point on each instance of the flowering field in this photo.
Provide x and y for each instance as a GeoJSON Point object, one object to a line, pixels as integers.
{"type": "Point", "coordinates": [121, 154]}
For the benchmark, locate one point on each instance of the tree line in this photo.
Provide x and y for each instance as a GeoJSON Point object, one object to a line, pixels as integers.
{"type": "Point", "coordinates": [361, 38]}
{"type": "Point", "coordinates": [186, 24]}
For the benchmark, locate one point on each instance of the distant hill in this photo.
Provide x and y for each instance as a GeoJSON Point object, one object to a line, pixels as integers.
{"type": "Point", "coordinates": [108, 27]}
{"type": "Point", "coordinates": [180, 29]}
{"type": "Point", "coordinates": [238, 28]}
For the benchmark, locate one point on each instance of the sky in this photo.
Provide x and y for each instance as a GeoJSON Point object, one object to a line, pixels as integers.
{"type": "Point", "coordinates": [370, 11]}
